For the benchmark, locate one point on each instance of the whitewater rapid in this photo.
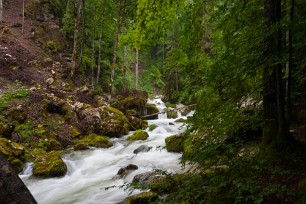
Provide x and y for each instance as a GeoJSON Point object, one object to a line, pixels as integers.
{"type": "Point", "coordinates": [91, 171]}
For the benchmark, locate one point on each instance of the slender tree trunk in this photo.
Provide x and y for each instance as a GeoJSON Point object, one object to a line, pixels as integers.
{"type": "Point", "coordinates": [93, 50]}
{"type": "Point", "coordinates": [82, 35]}
{"type": "Point", "coordinates": [124, 49]}
{"type": "Point", "coordinates": [289, 64]}
{"type": "Point", "coordinates": [75, 39]}
{"type": "Point", "coordinates": [1, 11]}
{"type": "Point", "coordinates": [100, 45]}
{"type": "Point", "coordinates": [136, 68]}
{"type": "Point", "coordinates": [275, 128]}
{"type": "Point", "coordinates": [115, 48]}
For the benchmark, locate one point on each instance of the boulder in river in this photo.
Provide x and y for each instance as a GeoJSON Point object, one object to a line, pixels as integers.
{"type": "Point", "coordinates": [142, 148]}
{"type": "Point", "coordinates": [139, 135]}
{"type": "Point", "coordinates": [126, 170]}
{"type": "Point", "coordinates": [49, 165]}
{"type": "Point", "coordinates": [175, 143]}
{"type": "Point", "coordinates": [145, 178]}
{"type": "Point", "coordinates": [105, 120]}
{"type": "Point", "coordinates": [92, 140]}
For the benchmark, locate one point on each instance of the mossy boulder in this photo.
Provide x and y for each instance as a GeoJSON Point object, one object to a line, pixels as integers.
{"type": "Point", "coordinates": [175, 143]}
{"type": "Point", "coordinates": [50, 144]}
{"type": "Point", "coordinates": [137, 123]}
{"type": "Point", "coordinates": [153, 111]}
{"type": "Point", "coordinates": [181, 120]}
{"type": "Point", "coordinates": [9, 148]}
{"type": "Point", "coordinates": [152, 127]}
{"type": "Point", "coordinates": [136, 101]}
{"type": "Point", "coordinates": [49, 165]}
{"type": "Point", "coordinates": [105, 120]}
{"type": "Point", "coordinates": [143, 198]}
{"type": "Point", "coordinates": [139, 135]}
{"type": "Point", "coordinates": [171, 113]}
{"type": "Point", "coordinates": [92, 140]}
{"type": "Point", "coordinates": [6, 129]}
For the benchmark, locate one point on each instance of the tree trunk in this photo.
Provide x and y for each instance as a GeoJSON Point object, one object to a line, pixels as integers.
{"type": "Point", "coordinates": [75, 39]}
{"type": "Point", "coordinates": [136, 69]}
{"type": "Point", "coordinates": [100, 46]}
{"type": "Point", "coordinates": [12, 189]}
{"type": "Point", "coordinates": [1, 11]}
{"type": "Point", "coordinates": [115, 48]}
{"type": "Point", "coordinates": [93, 50]}
{"type": "Point", "coordinates": [82, 34]}
{"type": "Point", "coordinates": [275, 127]}
{"type": "Point", "coordinates": [124, 49]}
{"type": "Point", "coordinates": [289, 64]}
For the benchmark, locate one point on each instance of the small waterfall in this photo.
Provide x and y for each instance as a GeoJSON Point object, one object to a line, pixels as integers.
{"type": "Point", "coordinates": [91, 171]}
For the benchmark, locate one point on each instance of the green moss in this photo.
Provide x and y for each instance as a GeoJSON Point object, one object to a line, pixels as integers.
{"type": "Point", "coordinates": [139, 135]}
{"type": "Point", "coordinates": [52, 46]}
{"type": "Point", "coordinates": [113, 122]}
{"type": "Point", "coordinates": [25, 130]}
{"type": "Point", "coordinates": [143, 198]}
{"type": "Point", "coordinates": [171, 113]}
{"type": "Point", "coordinates": [175, 143]}
{"type": "Point", "coordinates": [74, 132]}
{"type": "Point", "coordinates": [49, 144]}
{"type": "Point", "coordinates": [152, 110]}
{"type": "Point", "coordinates": [180, 120]}
{"type": "Point", "coordinates": [93, 140]}
{"type": "Point", "coordinates": [16, 163]}
{"type": "Point", "coordinates": [152, 127]}
{"type": "Point", "coordinates": [170, 105]}
{"type": "Point", "coordinates": [49, 165]}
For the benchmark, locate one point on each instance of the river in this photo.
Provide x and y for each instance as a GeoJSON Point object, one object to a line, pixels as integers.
{"type": "Point", "coordinates": [91, 171]}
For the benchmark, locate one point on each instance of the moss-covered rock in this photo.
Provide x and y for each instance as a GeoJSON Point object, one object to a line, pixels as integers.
{"type": "Point", "coordinates": [136, 101]}
{"type": "Point", "coordinates": [105, 120]}
{"type": "Point", "coordinates": [180, 120]}
{"type": "Point", "coordinates": [139, 135]}
{"type": "Point", "coordinates": [49, 165]}
{"type": "Point", "coordinates": [92, 140]}
{"type": "Point", "coordinates": [171, 113]}
{"type": "Point", "coordinates": [50, 144]}
{"type": "Point", "coordinates": [175, 143]}
{"type": "Point", "coordinates": [6, 130]}
{"type": "Point", "coordinates": [152, 127]}
{"type": "Point", "coordinates": [17, 114]}
{"type": "Point", "coordinates": [137, 123]}
{"type": "Point", "coordinates": [153, 111]}
{"type": "Point", "coordinates": [143, 198]}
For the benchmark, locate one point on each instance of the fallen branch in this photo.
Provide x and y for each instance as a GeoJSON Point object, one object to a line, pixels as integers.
{"type": "Point", "coordinates": [146, 116]}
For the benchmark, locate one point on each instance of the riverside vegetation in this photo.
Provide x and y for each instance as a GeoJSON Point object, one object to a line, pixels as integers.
{"type": "Point", "coordinates": [75, 73]}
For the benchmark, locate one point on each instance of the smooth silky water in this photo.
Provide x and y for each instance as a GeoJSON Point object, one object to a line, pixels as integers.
{"type": "Point", "coordinates": [91, 171]}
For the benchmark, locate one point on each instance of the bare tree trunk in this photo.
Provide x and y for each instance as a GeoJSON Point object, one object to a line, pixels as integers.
{"type": "Point", "coordinates": [136, 69]}
{"type": "Point", "coordinates": [1, 10]}
{"type": "Point", "coordinates": [124, 49]}
{"type": "Point", "coordinates": [115, 49]}
{"type": "Point", "coordinates": [100, 45]}
{"type": "Point", "coordinates": [289, 64]}
{"type": "Point", "coordinates": [75, 39]}
{"type": "Point", "coordinates": [82, 35]}
{"type": "Point", "coordinates": [93, 50]}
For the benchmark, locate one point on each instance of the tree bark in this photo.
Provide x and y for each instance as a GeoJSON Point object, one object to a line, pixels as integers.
{"type": "Point", "coordinates": [115, 48]}
{"type": "Point", "coordinates": [93, 50]}
{"type": "Point", "coordinates": [136, 69]}
{"type": "Point", "coordinates": [75, 39]}
{"type": "Point", "coordinates": [275, 127]}
{"type": "Point", "coordinates": [124, 49]}
{"type": "Point", "coordinates": [289, 64]}
{"type": "Point", "coordinates": [100, 46]}
{"type": "Point", "coordinates": [12, 189]}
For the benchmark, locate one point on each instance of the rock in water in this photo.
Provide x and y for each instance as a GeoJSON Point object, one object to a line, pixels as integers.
{"type": "Point", "coordinates": [12, 189]}
{"type": "Point", "coordinates": [142, 148]}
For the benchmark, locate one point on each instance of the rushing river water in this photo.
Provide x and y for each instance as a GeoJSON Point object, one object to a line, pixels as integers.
{"type": "Point", "coordinates": [91, 171]}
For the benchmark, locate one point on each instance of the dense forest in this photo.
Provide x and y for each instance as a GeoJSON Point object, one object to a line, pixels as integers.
{"type": "Point", "coordinates": [240, 65]}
